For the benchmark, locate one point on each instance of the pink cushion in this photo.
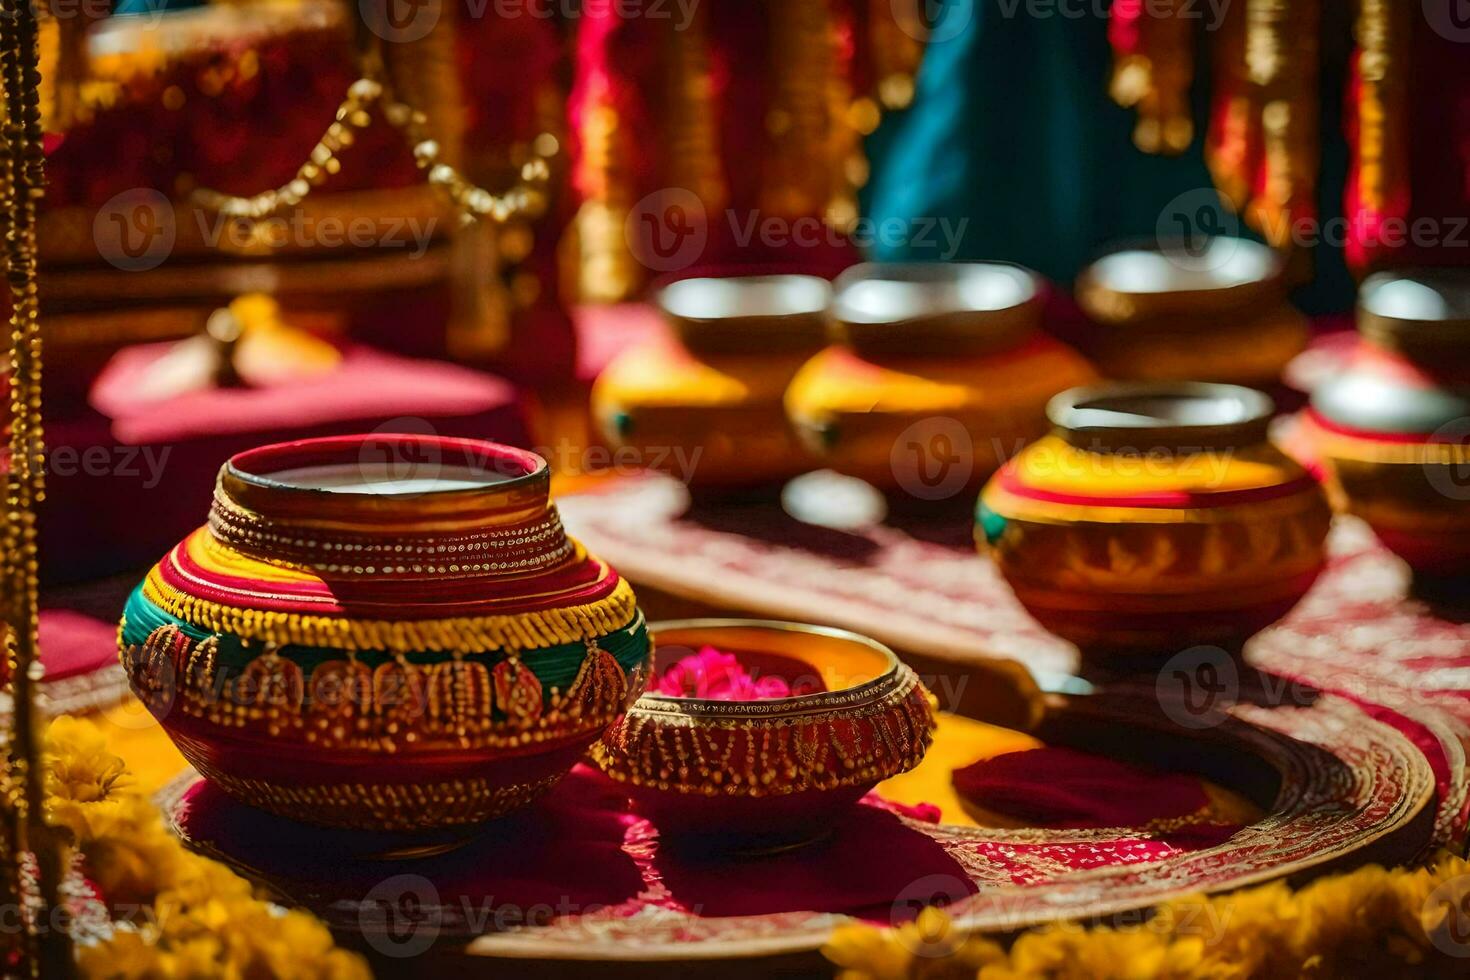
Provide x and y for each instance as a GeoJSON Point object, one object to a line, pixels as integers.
{"type": "Point", "coordinates": [128, 478]}
{"type": "Point", "coordinates": [74, 643]}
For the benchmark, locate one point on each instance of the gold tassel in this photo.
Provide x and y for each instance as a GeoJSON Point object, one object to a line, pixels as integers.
{"type": "Point", "coordinates": [1382, 31]}
{"type": "Point", "coordinates": [1156, 79]}
{"type": "Point", "coordinates": [1281, 55]}
{"type": "Point", "coordinates": [799, 119]}
{"type": "Point", "coordinates": [1233, 147]}
{"type": "Point", "coordinates": [693, 142]}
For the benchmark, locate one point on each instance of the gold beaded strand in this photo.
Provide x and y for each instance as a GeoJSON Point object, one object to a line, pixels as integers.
{"type": "Point", "coordinates": [527, 199]}
{"type": "Point", "coordinates": [23, 479]}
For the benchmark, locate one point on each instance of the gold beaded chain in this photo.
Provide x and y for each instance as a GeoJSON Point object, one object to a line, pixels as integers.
{"type": "Point", "coordinates": [527, 199]}
{"type": "Point", "coordinates": [24, 180]}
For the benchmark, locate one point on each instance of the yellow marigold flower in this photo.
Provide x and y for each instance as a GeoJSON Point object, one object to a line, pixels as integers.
{"type": "Point", "coordinates": [1369, 922]}
{"type": "Point", "coordinates": [83, 779]}
{"type": "Point", "coordinates": [197, 920]}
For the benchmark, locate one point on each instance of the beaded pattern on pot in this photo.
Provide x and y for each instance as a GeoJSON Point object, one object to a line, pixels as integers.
{"type": "Point", "coordinates": [774, 753]}
{"type": "Point", "coordinates": [377, 806]}
{"type": "Point", "coordinates": [397, 706]}
{"type": "Point", "coordinates": [517, 549]}
{"type": "Point", "coordinates": [461, 634]}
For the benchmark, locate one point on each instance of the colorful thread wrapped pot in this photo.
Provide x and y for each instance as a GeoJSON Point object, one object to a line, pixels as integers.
{"type": "Point", "coordinates": [1168, 314]}
{"type": "Point", "coordinates": [765, 769]}
{"type": "Point", "coordinates": [706, 405]}
{"type": "Point", "coordinates": [385, 632]}
{"type": "Point", "coordinates": [1393, 430]}
{"type": "Point", "coordinates": [1155, 516]}
{"type": "Point", "coordinates": [941, 371]}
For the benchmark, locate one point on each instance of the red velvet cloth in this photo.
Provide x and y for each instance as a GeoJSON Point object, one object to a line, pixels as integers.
{"type": "Point", "coordinates": [130, 478]}
{"type": "Point", "coordinates": [1062, 787]}
{"type": "Point", "coordinates": [580, 850]}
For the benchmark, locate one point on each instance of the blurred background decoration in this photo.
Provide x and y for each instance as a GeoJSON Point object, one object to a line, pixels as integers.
{"type": "Point", "coordinates": [746, 112]}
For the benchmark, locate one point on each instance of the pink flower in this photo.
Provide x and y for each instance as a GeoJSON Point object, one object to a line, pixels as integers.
{"type": "Point", "coordinates": [716, 676]}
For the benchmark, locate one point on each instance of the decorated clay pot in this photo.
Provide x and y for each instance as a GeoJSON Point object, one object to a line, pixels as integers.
{"type": "Point", "coordinates": [705, 404]}
{"type": "Point", "coordinates": [941, 372]}
{"type": "Point", "coordinates": [1393, 430]}
{"type": "Point", "coordinates": [1155, 517]}
{"type": "Point", "coordinates": [1165, 314]}
{"type": "Point", "coordinates": [702, 762]}
{"type": "Point", "coordinates": [384, 632]}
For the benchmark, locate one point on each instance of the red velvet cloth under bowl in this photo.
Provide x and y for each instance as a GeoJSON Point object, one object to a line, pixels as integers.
{"type": "Point", "coordinates": [130, 477]}
{"type": "Point", "coordinates": [580, 850]}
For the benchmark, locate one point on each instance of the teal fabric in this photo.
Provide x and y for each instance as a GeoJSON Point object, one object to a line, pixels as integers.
{"type": "Point", "coordinates": [155, 6]}
{"type": "Point", "coordinates": [553, 666]}
{"type": "Point", "coordinates": [1012, 131]}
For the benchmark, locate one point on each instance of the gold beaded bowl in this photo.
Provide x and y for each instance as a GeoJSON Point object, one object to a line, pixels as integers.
{"type": "Point", "coordinates": [765, 769]}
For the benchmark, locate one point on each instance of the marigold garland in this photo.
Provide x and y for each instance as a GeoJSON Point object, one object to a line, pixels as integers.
{"type": "Point", "coordinates": [195, 918]}
{"type": "Point", "coordinates": [1369, 922]}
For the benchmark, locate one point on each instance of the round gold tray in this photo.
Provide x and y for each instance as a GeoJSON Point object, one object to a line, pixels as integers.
{"type": "Point", "coordinates": [1333, 786]}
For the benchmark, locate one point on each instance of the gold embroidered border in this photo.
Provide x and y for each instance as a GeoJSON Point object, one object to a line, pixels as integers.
{"type": "Point", "coordinates": [458, 634]}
